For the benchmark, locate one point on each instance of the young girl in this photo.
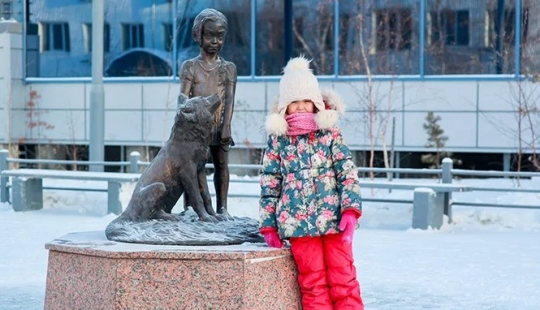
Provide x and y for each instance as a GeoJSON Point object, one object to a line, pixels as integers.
{"type": "Point", "coordinates": [310, 193]}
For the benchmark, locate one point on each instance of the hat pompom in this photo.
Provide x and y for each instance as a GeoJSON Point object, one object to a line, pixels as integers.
{"type": "Point", "coordinates": [298, 63]}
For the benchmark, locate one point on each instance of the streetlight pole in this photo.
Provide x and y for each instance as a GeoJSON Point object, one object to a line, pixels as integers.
{"type": "Point", "coordinates": [97, 93]}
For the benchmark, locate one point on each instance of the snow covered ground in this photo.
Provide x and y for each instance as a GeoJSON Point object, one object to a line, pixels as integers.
{"type": "Point", "coordinates": [488, 258]}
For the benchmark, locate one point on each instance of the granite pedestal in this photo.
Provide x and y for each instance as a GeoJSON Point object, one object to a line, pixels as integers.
{"type": "Point", "coordinates": [87, 271]}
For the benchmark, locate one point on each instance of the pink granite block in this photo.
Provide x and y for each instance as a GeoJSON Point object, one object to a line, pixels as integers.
{"type": "Point", "coordinates": [179, 284]}
{"type": "Point", "coordinates": [271, 281]}
{"type": "Point", "coordinates": [76, 281]}
{"type": "Point", "coordinates": [86, 271]}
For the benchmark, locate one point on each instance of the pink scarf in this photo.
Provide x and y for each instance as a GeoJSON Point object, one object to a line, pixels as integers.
{"type": "Point", "coordinates": [301, 123]}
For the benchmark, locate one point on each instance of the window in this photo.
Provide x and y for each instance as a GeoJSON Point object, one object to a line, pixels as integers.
{"type": "Point", "coordinates": [5, 9]}
{"type": "Point", "coordinates": [234, 33]}
{"type": "Point", "coordinates": [298, 24]}
{"type": "Point", "coordinates": [449, 27]}
{"type": "Point", "coordinates": [508, 28]}
{"type": "Point", "coordinates": [326, 32]}
{"type": "Point", "coordinates": [346, 34]}
{"type": "Point", "coordinates": [132, 36]}
{"type": "Point", "coordinates": [275, 31]}
{"type": "Point", "coordinates": [55, 37]}
{"type": "Point", "coordinates": [87, 33]}
{"type": "Point", "coordinates": [392, 30]}
{"type": "Point", "coordinates": [167, 30]}
{"type": "Point", "coordinates": [183, 35]}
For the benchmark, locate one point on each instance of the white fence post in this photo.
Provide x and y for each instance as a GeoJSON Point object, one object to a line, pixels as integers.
{"type": "Point", "coordinates": [426, 212]}
{"type": "Point", "coordinates": [447, 166]}
{"type": "Point", "coordinates": [4, 165]}
{"type": "Point", "coordinates": [134, 161]}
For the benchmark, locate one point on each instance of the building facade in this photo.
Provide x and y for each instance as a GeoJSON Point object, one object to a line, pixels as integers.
{"type": "Point", "coordinates": [393, 62]}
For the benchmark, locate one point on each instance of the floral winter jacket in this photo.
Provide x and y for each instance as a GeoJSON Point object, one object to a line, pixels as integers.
{"type": "Point", "coordinates": [307, 182]}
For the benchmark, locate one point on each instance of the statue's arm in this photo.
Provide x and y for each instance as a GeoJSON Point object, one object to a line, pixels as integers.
{"type": "Point", "coordinates": [230, 91]}
{"type": "Point", "coordinates": [186, 77]}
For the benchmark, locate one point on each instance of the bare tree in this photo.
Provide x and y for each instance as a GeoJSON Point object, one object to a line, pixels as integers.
{"type": "Point", "coordinates": [371, 102]}
{"type": "Point", "coordinates": [73, 151]}
{"type": "Point", "coordinates": [528, 120]}
{"type": "Point", "coordinates": [378, 105]}
{"type": "Point", "coordinates": [524, 102]}
{"type": "Point", "coordinates": [36, 126]}
{"type": "Point", "coordinates": [315, 39]}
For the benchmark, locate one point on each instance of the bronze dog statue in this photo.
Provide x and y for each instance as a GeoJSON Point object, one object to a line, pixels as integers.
{"type": "Point", "coordinates": [177, 168]}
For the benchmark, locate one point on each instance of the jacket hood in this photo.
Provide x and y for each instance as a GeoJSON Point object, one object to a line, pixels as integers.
{"type": "Point", "coordinates": [276, 124]}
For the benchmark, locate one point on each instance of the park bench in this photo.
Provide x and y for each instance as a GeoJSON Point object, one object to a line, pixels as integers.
{"type": "Point", "coordinates": [27, 186]}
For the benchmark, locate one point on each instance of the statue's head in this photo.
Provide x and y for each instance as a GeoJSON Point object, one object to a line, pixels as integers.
{"type": "Point", "coordinates": [197, 109]}
{"type": "Point", "coordinates": [209, 30]}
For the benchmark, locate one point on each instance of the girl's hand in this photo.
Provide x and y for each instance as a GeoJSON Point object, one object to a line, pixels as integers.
{"type": "Point", "coordinates": [272, 239]}
{"type": "Point", "coordinates": [347, 225]}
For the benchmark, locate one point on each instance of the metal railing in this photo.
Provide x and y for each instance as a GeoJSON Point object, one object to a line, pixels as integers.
{"type": "Point", "coordinates": [446, 175]}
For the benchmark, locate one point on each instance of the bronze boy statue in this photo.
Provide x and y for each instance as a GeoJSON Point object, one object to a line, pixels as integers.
{"type": "Point", "coordinates": [209, 74]}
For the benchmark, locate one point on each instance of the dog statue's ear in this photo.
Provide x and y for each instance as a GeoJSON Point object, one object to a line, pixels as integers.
{"type": "Point", "coordinates": [181, 99]}
{"type": "Point", "coordinates": [213, 103]}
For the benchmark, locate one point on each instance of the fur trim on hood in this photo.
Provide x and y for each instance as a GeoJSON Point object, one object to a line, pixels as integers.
{"type": "Point", "coordinates": [277, 125]}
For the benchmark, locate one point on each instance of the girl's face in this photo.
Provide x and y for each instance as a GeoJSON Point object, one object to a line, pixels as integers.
{"type": "Point", "coordinates": [213, 37]}
{"type": "Point", "coordinates": [301, 106]}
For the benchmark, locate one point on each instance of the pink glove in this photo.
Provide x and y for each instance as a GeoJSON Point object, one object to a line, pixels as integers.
{"type": "Point", "coordinates": [272, 239]}
{"type": "Point", "coordinates": [347, 225]}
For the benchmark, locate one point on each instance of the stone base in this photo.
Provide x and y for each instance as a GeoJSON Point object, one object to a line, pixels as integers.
{"type": "Point", "coordinates": [86, 271]}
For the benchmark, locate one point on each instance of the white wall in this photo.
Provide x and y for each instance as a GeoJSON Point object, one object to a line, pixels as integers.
{"type": "Point", "coordinates": [11, 85]}
{"type": "Point", "coordinates": [476, 115]}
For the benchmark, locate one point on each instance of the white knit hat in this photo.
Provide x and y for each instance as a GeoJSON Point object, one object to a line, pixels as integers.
{"type": "Point", "coordinates": [298, 83]}
{"type": "Point", "coordinates": [334, 107]}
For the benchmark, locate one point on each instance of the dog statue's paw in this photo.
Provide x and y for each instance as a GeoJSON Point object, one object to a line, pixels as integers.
{"type": "Point", "coordinates": [223, 215]}
{"type": "Point", "coordinates": [208, 218]}
{"type": "Point", "coordinates": [224, 218]}
{"type": "Point", "coordinates": [162, 215]}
